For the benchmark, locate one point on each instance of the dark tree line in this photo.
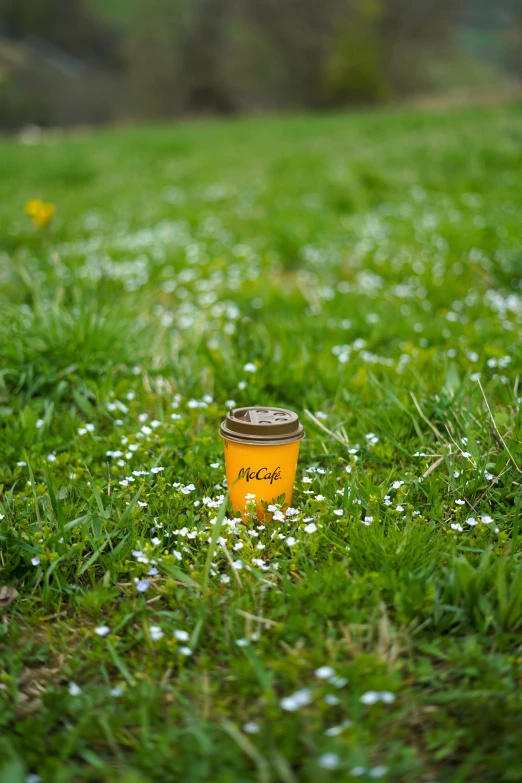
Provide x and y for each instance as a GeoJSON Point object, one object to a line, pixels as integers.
{"type": "Point", "coordinates": [156, 58]}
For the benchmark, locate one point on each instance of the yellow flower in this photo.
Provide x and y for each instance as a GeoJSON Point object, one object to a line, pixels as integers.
{"type": "Point", "coordinates": [40, 212]}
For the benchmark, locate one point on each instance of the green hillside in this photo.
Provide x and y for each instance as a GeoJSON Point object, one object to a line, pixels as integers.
{"type": "Point", "coordinates": [368, 266]}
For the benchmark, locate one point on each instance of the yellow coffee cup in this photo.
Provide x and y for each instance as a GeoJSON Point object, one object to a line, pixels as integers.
{"type": "Point", "coordinates": [261, 451]}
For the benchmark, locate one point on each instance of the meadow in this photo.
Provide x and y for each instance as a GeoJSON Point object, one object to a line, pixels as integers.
{"type": "Point", "coordinates": [363, 270]}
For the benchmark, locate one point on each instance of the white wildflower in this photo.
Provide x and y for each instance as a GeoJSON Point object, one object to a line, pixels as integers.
{"type": "Point", "coordinates": [329, 761]}
{"type": "Point", "coordinates": [324, 672]}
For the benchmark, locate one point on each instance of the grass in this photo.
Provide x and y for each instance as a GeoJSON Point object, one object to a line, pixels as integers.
{"type": "Point", "coordinates": [369, 265]}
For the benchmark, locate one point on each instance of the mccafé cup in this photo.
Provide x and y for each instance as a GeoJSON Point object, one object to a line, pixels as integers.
{"type": "Point", "coordinates": [261, 450]}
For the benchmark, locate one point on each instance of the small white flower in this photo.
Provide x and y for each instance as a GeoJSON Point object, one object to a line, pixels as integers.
{"type": "Point", "coordinates": [74, 689]}
{"type": "Point", "coordinates": [387, 697]}
{"type": "Point", "coordinates": [291, 541]}
{"type": "Point", "coordinates": [486, 519]}
{"type": "Point", "coordinates": [299, 699]}
{"type": "Point", "coordinates": [338, 512]}
{"type": "Point", "coordinates": [399, 508]}
{"type": "Point", "coordinates": [370, 697]}
{"type": "Point", "coordinates": [250, 496]}
{"type": "Point", "coordinates": [230, 403]}
{"type": "Point", "coordinates": [155, 541]}
{"type": "Point", "coordinates": [471, 521]}
{"type": "Point", "coordinates": [307, 480]}
{"type": "Point", "coordinates": [334, 731]}
{"type": "Point", "coordinates": [142, 585]}
{"type": "Point", "coordinates": [116, 691]}
{"type": "Point", "coordinates": [319, 497]}
{"type": "Point", "coordinates": [331, 699]}
{"type": "Point", "coordinates": [357, 772]}
{"type": "Point", "coordinates": [324, 672]}
{"type": "Point", "coordinates": [466, 454]}
{"type": "Point", "coordinates": [321, 415]}
{"type": "Point", "coordinates": [251, 728]}
{"type": "Point", "coordinates": [214, 465]}
{"type": "Point", "coordinates": [329, 761]}
{"type": "Point", "coordinates": [186, 490]}
{"type": "Point", "coordinates": [378, 772]}
{"type": "Point", "coordinates": [250, 367]}
{"type": "Point", "coordinates": [51, 458]}
{"type": "Point", "coordinates": [102, 630]}
{"type": "Point", "coordinates": [460, 502]}
{"type": "Point", "coordinates": [185, 651]}
{"type": "Point", "coordinates": [181, 636]}
{"type": "Point", "coordinates": [156, 470]}
{"type": "Point", "coordinates": [311, 528]}
{"type": "Point", "coordinates": [242, 642]}
{"type": "Point", "coordinates": [39, 424]}
{"type": "Point", "coordinates": [338, 682]}
{"type": "Point", "coordinates": [457, 526]}
{"type": "Point", "coordinates": [367, 521]}
{"type": "Point", "coordinates": [22, 464]}
{"type": "Point", "coordinates": [81, 431]}
{"type": "Point", "coordinates": [35, 561]}
{"type": "Point", "coordinates": [156, 633]}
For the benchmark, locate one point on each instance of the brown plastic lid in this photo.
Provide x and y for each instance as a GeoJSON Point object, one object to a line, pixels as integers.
{"type": "Point", "coordinates": [259, 425]}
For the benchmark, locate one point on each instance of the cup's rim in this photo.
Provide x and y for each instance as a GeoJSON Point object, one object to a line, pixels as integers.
{"type": "Point", "coordinates": [225, 434]}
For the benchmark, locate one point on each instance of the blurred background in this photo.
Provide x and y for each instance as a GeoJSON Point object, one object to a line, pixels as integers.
{"type": "Point", "coordinates": [74, 62]}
